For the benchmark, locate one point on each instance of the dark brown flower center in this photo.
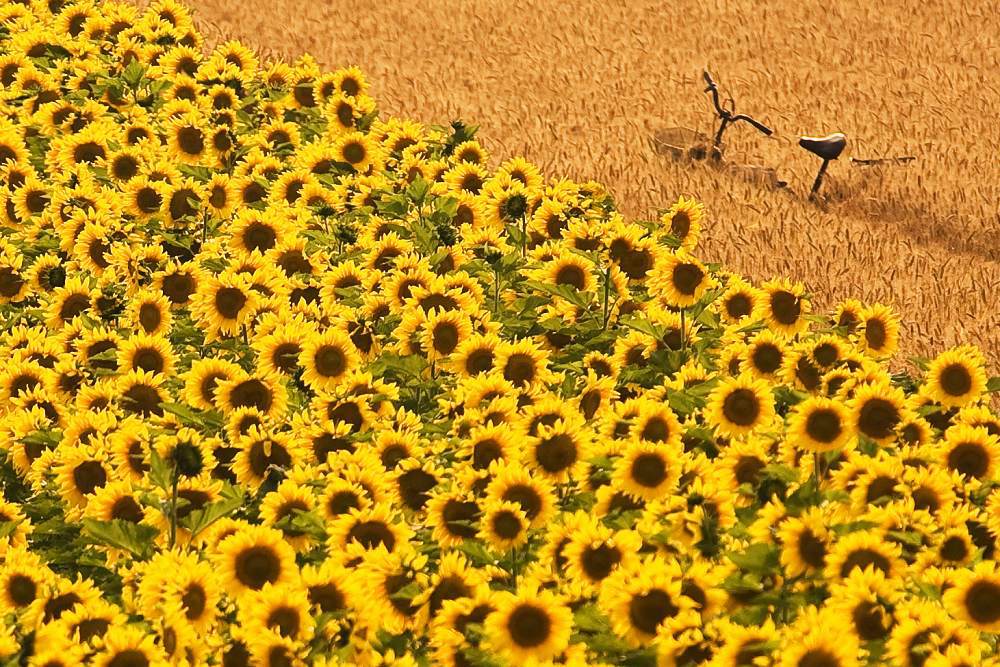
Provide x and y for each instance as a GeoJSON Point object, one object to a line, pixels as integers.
{"type": "Point", "coordinates": [741, 407]}
{"type": "Point", "coordinates": [529, 626]}
{"type": "Point", "coordinates": [229, 301]}
{"type": "Point", "coordinates": [687, 278]}
{"type": "Point", "coordinates": [982, 602]}
{"type": "Point", "coordinates": [811, 549]}
{"type": "Point", "coordinates": [785, 307]}
{"type": "Point", "coordinates": [649, 470]}
{"type": "Point", "coordinates": [956, 380]}
{"type": "Point", "coordinates": [823, 425]}
{"type": "Point", "coordinates": [191, 140]}
{"type": "Point", "coordinates": [739, 305]}
{"type": "Point", "coordinates": [258, 565]}
{"type": "Point", "coordinates": [648, 610]}
{"type": "Point", "coordinates": [330, 361]}
{"type": "Point", "coordinates": [878, 418]}
{"type": "Point", "coordinates": [598, 562]}
{"type": "Point", "coordinates": [863, 558]}
{"type": "Point", "coordinates": [557, 453]}
{"type": "Point", "coordinates": [970, 459]}
{"type": "Point", "coordinates": [194, 601]}
{"type": "Point", "coordinates": [22, 590]}
{"type": "Point", "coordinates": [371, 534]}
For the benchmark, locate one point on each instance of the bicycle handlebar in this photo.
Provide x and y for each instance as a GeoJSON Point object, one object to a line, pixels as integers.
{"type": "Point", "coordinates": [725, 114]}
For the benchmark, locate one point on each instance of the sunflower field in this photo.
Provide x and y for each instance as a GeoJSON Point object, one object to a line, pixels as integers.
{"type": "Point", "coordinates": [286, 382]}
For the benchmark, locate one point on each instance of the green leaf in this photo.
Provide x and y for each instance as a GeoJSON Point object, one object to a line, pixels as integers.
{"type": "Point", "coordinates": [758, 558]}
{"type": "Point", "coordinates": [160, 472]}
{"type": "Point", "coordinates": [477, 553]}
{"type": "Point", "coordinates": [199, 520]}
{"type": "Point", "coordinates": [781, 472]}
{"type": "Point", "coordinates": [993, 384]}
{"type": "Point", "coordinates": [133, 73]}
{"type": "Point", "coordinates": [590, 619]}
{"type": "Point", "coordinates": [135, 538]}
{"type": "Point", "coordinates": [909, 537]}
{"type": "Point", "coordinates": [7, 528]}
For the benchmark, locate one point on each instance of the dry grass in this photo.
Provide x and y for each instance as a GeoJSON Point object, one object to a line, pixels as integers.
{"type": "Point", "coordinates": [579, 88]}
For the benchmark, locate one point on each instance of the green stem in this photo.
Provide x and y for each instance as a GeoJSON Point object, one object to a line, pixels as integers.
{"type": "Point", "coordinates": [496, 290]}
{"type": "Point", "coordinates": [524, 235]}
{"type": "Point", "coordinates": [683, 332]}
{"type": "Point", "coordinates": [607, 296]}
{"type": "Point", "coordinates": [173, 507]}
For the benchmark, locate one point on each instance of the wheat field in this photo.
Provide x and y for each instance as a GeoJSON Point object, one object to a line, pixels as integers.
{"type": "Point", "coordinates": [581, 88]}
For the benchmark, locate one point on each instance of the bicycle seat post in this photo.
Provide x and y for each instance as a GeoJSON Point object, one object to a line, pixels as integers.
{"type": "Point", "coordinates": [827, 148]}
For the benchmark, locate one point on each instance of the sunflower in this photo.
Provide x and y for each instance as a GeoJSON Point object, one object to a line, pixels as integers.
{"type": "Point", "coordinates": [358, 151]}
{"type": "Point", "coordinates": [23, 577]}
{"type": "Point", "coordinates": [862, 550]}
{"type": "Point", "coordinates": [443, 332]}
{"type": "Point", "coordinates": [368, 529]}
{"type": "Point", "coordinates": [765, 355]}
{"type": "Point", "coordinates": [738, 406]}
{"type": "Point", "coordinates": [805, 541]}
{"type": "Point", "coordinates": [683, 222]}
{"type": "Point", "coordinates": [145, 198]}
{"type": "Point", "coordinates": [281, 608]}
{"type": "Point", "coordinates": [145, 352]}
{"type": "Point", "coordinates": [523, 363]}
{"type": "Point", "coordinates": [262, 452]}
{"type": "Point", "coordinates": [784, 307]}
{"type": "Point", "coordinates": [681, 280]}
{"type": "Point", "coordinates": [453, 515]}
{"type": "Point", "coordinates": [326, 358]}
{"type": "Point", "coordinates": [512, 482]}
{"type": "Point", "coordinates": [646, 599]}
{"type": "Point", "coordinates": [878, 331]}
{"type": "Point", "coordinates": [819, 638]}
{"type": "Point", "coordinates": [556, 452]}
{"type": "Point", "coordinates": [475, 355]}
{"type": "Point", "coordinates": [594, 552]}
{"type": "Point", "coordinates": [956, 378]}
{"type": "Point", "coordinates": [974, 596]}
{"type": "Point", "coordinates": [252, 557]}
{"type": "Point", "coordinates": [223, 304]}
{"type": "Point", "coordinates": [503, 525]}
{"type": "Point", "coordinates": [648, 471]}
{"type": "Point", "coordinates": [740, 301]}
{"type": "Point", "coordinates": [529, 626]}
{"type": "Point", "coordinates": [820, 424]}
{"type": "Point", "coordinates": [877, 409]}
{"type": "Point", "coordinates": [970, 451]}
{"type": "Point", "coordinates": [129, 645]}
{"type": "Point", "coordinates": [68, 301]}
